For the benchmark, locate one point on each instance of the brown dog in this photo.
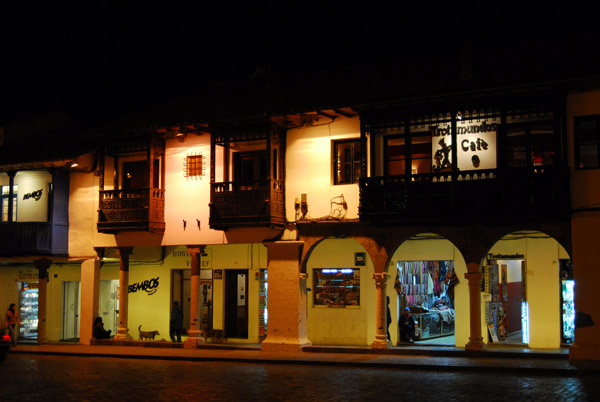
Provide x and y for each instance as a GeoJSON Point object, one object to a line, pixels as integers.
{"type": "Point", "coordinates": [149, 335]}
{"type": "Point", "coordinates": [215, 335]}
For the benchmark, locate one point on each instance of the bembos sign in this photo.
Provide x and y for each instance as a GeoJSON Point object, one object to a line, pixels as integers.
{"type": "Point", "coordinates": [476, 148]}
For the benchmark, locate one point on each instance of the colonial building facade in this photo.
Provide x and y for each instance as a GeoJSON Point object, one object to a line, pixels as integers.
{"type": "Point", "coordinates": [289, 226]}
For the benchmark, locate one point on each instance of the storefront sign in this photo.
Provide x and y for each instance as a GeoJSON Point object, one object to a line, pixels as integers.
{"type": "Point", "coordinates": [516, 256]}
{"type": "Point", "coordinates": [185, 257]}
{"type": "Point", "coordinates": [36, 195]}
{"type": "Point", "coordinates": [28, 274]}
{"type": "Point", "coordinates": [476, 148]}
{"type": "Point", "coordinates": [150, 286]}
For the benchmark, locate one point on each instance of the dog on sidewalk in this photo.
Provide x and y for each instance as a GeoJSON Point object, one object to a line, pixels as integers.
{"type": "Point", "coordinates": [149, 335]}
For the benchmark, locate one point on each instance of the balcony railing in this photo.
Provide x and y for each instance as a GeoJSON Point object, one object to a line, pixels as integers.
{"type": "Point", "coordinates": [247, 204]}
{"type": "Point", "coordinates": [484, 196]}
{"type": "Point", "coordinates": [132, 209]}
{"type": "Point", "coordinates": [26, 238]}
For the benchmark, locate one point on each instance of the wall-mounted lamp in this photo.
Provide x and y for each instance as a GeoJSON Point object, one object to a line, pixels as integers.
{"type": "Point", "coordinates": [73, 164]}
{"type": "Point", "coordinates": [181, 136]}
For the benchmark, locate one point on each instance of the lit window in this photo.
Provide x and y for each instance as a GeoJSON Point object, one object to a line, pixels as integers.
{"type": "Point", "coordinates": [4, 201]}
{"type": "Point", "coordinates": [587, 142]}
{"type": "Point", "coordinates": [336, 287]}
{"type": "Point", "coordinates": [346, 161]}
{"type": "Point", "coordinates": [194, 165]}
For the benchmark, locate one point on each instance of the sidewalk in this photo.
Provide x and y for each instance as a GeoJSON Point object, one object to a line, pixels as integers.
{"type": "Point", "coordinates": [513, 360]}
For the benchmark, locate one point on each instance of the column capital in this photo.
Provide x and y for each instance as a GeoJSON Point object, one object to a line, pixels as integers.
{"type": "Point", "coordinates": [196, 249]}
{"type": "Point", "coordinates": [380, 277]}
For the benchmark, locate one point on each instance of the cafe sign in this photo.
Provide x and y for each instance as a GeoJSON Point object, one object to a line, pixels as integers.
{"type": "Point", "coordinates": [476, 148]}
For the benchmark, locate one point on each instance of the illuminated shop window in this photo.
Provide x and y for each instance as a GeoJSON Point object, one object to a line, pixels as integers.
{"type": "Point", "coordinates": [4, 201]}
{"type": "Point", "coordinates": [346, 161]}
{"type": "Point", "coordinates": [587, 142]}
{"type": "Point", "coordinates": [336, 287]}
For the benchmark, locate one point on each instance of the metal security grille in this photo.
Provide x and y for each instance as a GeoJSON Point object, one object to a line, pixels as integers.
{"type": "Point", "coordinates": [194, 165]}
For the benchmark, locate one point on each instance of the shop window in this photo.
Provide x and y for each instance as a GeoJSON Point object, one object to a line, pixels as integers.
{"type": "Point", "coordinates": [336, 287]}
{"type": "Point", "coordinates": [5, 200]}
{"type": "Point", "coordinates": [346, 161]}
{"type": "Point", "coordinates": [587, 142]}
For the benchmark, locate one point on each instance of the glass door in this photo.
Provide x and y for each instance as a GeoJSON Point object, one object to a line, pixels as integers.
{"type": "Point", "coordinates": [71, 310]}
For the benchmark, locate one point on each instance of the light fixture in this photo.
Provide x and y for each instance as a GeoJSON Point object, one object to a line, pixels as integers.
{"type": "Point", "coordinates": [73, 164]}
{"type": "Point", "coordinates": [459, 116]}
{"type": "Point", "coordinates": [181, 136]}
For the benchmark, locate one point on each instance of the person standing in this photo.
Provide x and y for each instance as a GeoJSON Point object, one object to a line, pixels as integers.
{"type": "Point", "coordinates": [389, 318]}
{"type": "Point", "coordinates": [11, 320]}
{"type": "Point", "coordinates": [176, 323]}
{"type": "Point", "coordinates": [407, 326]}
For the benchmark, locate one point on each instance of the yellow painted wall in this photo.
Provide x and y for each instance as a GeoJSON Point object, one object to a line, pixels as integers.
{"type": "Point", "coordinates": [152, 311]}
{"type": "Point", "coordinates": [585, 227]}
{"type": "Point", "coordinates": [543, 287]}
{"type": "Point", "coordinates": [57, 276]}
{"type": "Point", "coordinates": [348, 325]}
{"type": "Point", "coordinates": [309, 168]}
{"type": "Point", "coordinates": [434, 250]}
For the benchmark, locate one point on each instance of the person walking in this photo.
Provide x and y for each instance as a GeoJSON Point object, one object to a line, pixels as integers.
{"type": "Point", "coordinates": [11, 320]}
{"type": "Point", "coordinates": [176, 323]}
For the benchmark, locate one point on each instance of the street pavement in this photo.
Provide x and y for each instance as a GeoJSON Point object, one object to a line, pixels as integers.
{"type": "Point", "coordinates": [108, 373]}
{"type": "Point", "coordinates": [513, 360]}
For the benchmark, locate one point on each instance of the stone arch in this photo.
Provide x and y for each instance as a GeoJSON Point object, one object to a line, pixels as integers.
{"type": "Point", "coordinates": [433, 247]}
{"type": "Point", "coordinates": [348, 324]}
{"type": "Point", "coordinates": [536, 255]}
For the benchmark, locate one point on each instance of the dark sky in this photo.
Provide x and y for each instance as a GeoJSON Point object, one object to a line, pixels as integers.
{"type": "Point", "coordinates": [94, 54]}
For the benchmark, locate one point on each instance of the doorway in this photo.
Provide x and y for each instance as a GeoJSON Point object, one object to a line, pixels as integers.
{"type": "Point", "coordinates": [71, 310]}
{"type": "Point", "coordinates": [181, 291]}
{"type": "Point", "coordinates": [236, 303]}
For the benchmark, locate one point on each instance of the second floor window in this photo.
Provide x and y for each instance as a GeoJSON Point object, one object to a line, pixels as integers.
{"type": "Point", "coordinates": [346, 161]}
{"type": "Point", "coordinates": [587, 142]}
{"type": "Point", "coordinates": [4, 201]}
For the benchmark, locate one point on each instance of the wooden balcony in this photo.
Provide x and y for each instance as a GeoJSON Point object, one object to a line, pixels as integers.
{"type": "Point", "coordinates": [247, 204]}
{"type": "Point", "coordinates": [496, 196]}
{"type": "Point", "coordinates": [30, 238]}
{"type": "Point", "coordinates": [133, 209]}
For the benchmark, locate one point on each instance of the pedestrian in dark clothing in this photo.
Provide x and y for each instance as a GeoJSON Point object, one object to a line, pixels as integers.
{"type": "Point", "coordinates": [98, 331]}
{"type": "Point", "coordinates": [176, 323]}
{"type": "Point", "coordinates": [407, 326]}
{"type": "Point", "coordinates": [389, 318]}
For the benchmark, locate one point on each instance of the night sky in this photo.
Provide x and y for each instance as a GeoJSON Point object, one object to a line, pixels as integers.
{"type": "Point", "coordinates": [103, 54]}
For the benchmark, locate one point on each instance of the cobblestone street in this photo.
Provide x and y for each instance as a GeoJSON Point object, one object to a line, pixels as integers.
{"type": "Point", "coordinates": [66, 378]}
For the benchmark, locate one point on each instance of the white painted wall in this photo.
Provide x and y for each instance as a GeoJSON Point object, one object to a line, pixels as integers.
{"type": "Point", "coordinates": [309, 168]}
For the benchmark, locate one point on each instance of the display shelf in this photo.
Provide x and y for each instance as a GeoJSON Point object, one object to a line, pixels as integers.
{"type": "Point", "coordinates": [432, 325]}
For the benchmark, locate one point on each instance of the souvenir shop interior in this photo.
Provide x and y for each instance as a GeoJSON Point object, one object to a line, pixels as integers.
{"type": "Point", "coordinates": [426, 289]}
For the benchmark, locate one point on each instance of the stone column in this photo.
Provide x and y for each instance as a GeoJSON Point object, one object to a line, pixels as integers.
{"type": "Point", "coordinates": [286, 331]}
{"type": "Point", "coordinates": [381, 341]}
{"type": "Point", "coordinates": [474, 277]}
{"type": "Point", "coordinates": [42, 265]}
{"type": "Point", "coordinates": [90, 291]}
{"type": "Point", "coordinates": [194, 333]}
{"type": "Point", "coordinates": [123, 330]}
